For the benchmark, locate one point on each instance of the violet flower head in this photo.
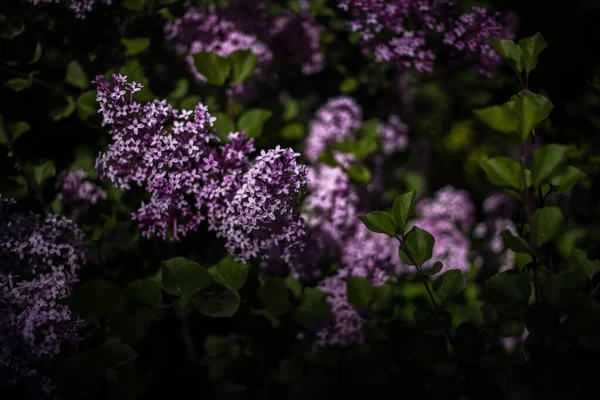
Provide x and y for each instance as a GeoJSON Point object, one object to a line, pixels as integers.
{"type": "Point", "coordinates": [167, 160]}
{"type": "Point", "coordinates": [406, 31]}
{"type": "Point", "coordinates": [394, 135]}
{"type": "Point", "coordinates": [39, 245]}
{"type": "Point", "coordinates": [209, 31]}
{"type": "Point", "coordinates": [254, 205]}
{"type": "Point", "coordinates": [345, 326]}
{"type": "Point", "coordinates": [336, 120]}
{"type": "Point", "coordinates": [77, 193]}
{"type": "Point", "coordinates": [39, 259]}
{"type": "Point", "coordinates": [371, 255]}
{"type": "Point", "coordinates": [80, 7]}
{"type": "Point", "coordinates": [295, 40]}
{"type": "Point", "coordinates": [331, 207]}
{"type": "Point", "coordinates": [448, 215]}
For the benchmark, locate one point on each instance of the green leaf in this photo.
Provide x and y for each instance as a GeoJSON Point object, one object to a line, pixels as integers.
{"type": "Point", "coordinates": [435, 268]}
{"type": "Point", "coordinates": [17, 129]}
{"type": "Point", "coordinates": [379, 222]}
{"type": "Point", "coordinates": [360, 291]}
{"type": "Point", "coordinates": [382, 297]}
{"type": "Point", "coordinates": [76, 76]}
{"type": "Point", "coordinates": [190, 102]}
{"type": "Point", "coordinates": [135, 46]}
{"type": "Point", "coordinates": [19, 84]}
{"type": "Point", "coordinates": [562, 289]}
{"type": "Point", "coordinates": [515, 243]}
{"type": "Point", "coordinates": [86, 105]}
{"type": "Point", "coordinates": [4, 139]}
{"type": "Point", "coordinates": [65, 112]}
{"type": "Point", "coordinates": [527, 110]}
{"type": "Point", "coordinates": [224, 126]}
{"type": "Point", "coordinates": [15, 187]}
{"type": "Point", "coordinates": [349, 85]}
{"type": "Point", "coordinates": [548, 223]}
{"type": "Point", "coordinates": [544, 104]}
{"type": "Point", "coordinates": [359, 173]}
{"type": "Point", "coordinates": [37, 54]}
{"type": "Point", "coordinates": [313, 307]}
{"type": "Point", "coordinates": [184, 277]}
{"type": "Point", "coordinates": [532, 47]}
{"type": "Point", "coordinates": [499, 118]}
{"type": "Point", "coordinates": [511, 52]}
{"type": "Point", "coordinates": [274, 295]}
{"type": "Point", "coordinates": [229, 272]}
{"type": "Point", "coordinates": [548, 160]}
{"type": "Point", "coordinates": [214, 67]}
{"type": "Point", "coordinates": [403, 209]}
{"type": "Point", "coordinates": [419, 244]}
{"type": "Point", "coordinates": [181, 89]}
{"type": "Point", "coordinates": [509, 293]}
{"type": "Point", "coordinates": [252, 121]}
{"type": "Point", "coordinates": [449, 284]}
{"type": "Point", "coordinates": [134, 5]}
{"type": "Point", "coordinates": [37, 175]}
{"type": "Point", "coordinates": [145, 291]}
{"type": "Point", "coordinates": [579, 259]}
{"type": "Point", "coordinates": [243, 63]}
{"type": "Point", "coordinates": [566, 242]}
{"type": "Point", "coordinates": [291, 109]}
{"type": "Point", "coordinates": [567, 179]}
{"type": "Point", "coordinates": [11, 29]}
{"type": "Point", "coordinates": [223, 303]}
{"type": "Point", "coordinates": [294, 285]}
{"type": "Point", "coordinates": [503, 172]}
{"type": "Point", "coordinates": [293, 131]}
{"type": "Point", "coordinates": [96, 298]}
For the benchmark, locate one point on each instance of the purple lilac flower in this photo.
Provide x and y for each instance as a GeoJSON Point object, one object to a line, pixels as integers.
{"type": "Point", "coordinates": [146, 150]}
{"type": "Point", "coordinates": [369, 254]}
{"type": "Point", "coordinates": [511, 342]}
{"type": "Point", "coordinates": [448, 215]}
{"type": "Point", "coordinates": [40, 245]}
{"type": "Point", "coordinates": [39, 260]}
{"type": "Point", "coordinates": [331, 207]}
{"type": "Point", "coordinates": [497, 207]}
{"type": "Point", "coordinates": [254, 206]}
{"type": "Point", "coordinates": [80, 7]}
{"type": "Point", "coordinates": [295, 39]}
{"type": "Point", "coordinates": [403, 31]}
{"type": "Point", "coordinates": [346, 324]}
{"type": "Point", "coordinates": [337, 120]}
{"type": "Point", "coordinates": [77, 193]}
{"type": "Point", "coordinates": [394, 135]}
{"type": "Point", "coordinates": [209, 31]}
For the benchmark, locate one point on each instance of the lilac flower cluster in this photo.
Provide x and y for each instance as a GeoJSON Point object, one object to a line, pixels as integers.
{"type": "Point", "coordinates": [252, 204]}
{"type": "Point", "coordinates": [295, 39]}
{"type": "Point", "coordinates": [448, 216]}
{"type": "Point", "coordinates": [403, 31]}
{"type": "Point", "coordinates": [290, 39]}
{"type": "Point", "coordinates": [207, 31]}
{"type": "Point", "coordinates": [340, 118]}
{"type": "Point", "coordinates": [498, 207]}
{"type": "Point", "coordinates": [77, 193]}
{"type": "Point", "coordinates": [80, 7]}
{"type": "Point", "coordinates": [169, 160]}
{"type": "Point", "coordinates": [39, 261]}
{"type": "Point", "coordinates": [255, 206]}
